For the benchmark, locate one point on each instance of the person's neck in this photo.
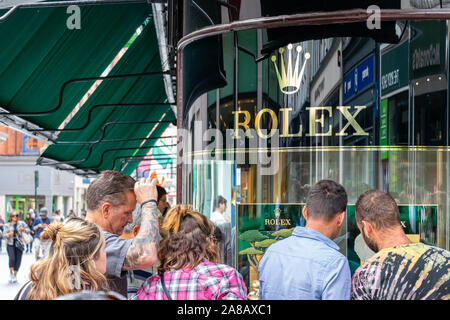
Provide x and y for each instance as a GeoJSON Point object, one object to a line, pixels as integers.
{"type": "Point", "coordinates": [93, 217]}
{"type": "Point", "coordinates": [392, 238]}
{"type": "Point", "coordinates": [321, 227]}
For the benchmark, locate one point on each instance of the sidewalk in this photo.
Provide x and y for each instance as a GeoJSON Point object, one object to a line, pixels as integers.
{"type": "Point", "coordinates": [7, 290]}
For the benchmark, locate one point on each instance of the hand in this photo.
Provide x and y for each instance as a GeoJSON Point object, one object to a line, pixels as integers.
{"type": "Point", "coordinates": [145, 189]}
{"type": "Point", "coordinates": [11, 234]}
{"type": "Point", "coordinates": [22, 229]}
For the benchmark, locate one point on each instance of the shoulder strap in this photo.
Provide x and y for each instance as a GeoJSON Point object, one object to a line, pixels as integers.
{"type": "Point", "coordinates": [22, 295]}
{"type": "Point", "coordinates": [164, 287]}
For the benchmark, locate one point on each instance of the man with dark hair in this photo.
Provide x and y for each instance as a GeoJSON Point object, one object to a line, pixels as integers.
{"type": "Point", "coordinates": [163, 205]}
{"type": "Point", "coordinates": [400, 269]}
{"type": "Point", "coordinates": [308, 264]}
{"type": "Point", "coordinates": [220, 207]}
{"type": "Point", "coordinates": [111, 199]}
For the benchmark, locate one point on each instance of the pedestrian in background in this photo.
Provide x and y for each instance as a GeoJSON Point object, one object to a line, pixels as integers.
{"type": "Point", "coordinates": [29, 221]}
{"type": "Point", "coordinates": [308, 264]}
{"type": "Point", "coordinates": [188, 268]}
{"type": "Point", "coordinates": [222, 222]}
{"type": "Point", "coordinates": [76, 262]}
{"type": "Point", "coordinates": [2, 225]}
{"type": "Point", "coordinates": [58, 216]}
{"type": "Point", "coordinates": [400, 269]}
{"type": "Point", "coordinates": [13, 232]}
{"type": "Point", "coordinates": [38, 225]}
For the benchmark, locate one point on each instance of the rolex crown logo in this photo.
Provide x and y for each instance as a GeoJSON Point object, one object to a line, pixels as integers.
{"type": "Point", "coordinates": [290, 81]}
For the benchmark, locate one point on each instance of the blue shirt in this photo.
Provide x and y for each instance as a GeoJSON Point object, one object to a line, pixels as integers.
{"type": "Point", "coordinates": [304, 266]}
{"type": "Point", "coordinates": [37, 221]}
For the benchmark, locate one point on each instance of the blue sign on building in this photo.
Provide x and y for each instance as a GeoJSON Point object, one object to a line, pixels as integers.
{"type": "Point", "coordinates": [359, 78]}
{"type": "Point", "coordinates": [29, 144]}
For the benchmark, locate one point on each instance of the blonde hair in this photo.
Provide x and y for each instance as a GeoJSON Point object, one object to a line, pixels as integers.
{"type": "Point", "coordinates": [75, 242]}
{"type": "Point", "coordinates": [189, 240]}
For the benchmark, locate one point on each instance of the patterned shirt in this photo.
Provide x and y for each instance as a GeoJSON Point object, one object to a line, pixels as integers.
{"type": "Point", "coordinates": [207, 281]}
{"type": "Point", "coordinates": [409, 272]}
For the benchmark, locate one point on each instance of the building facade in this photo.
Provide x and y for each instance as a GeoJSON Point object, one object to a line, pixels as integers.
{"type": "Point", "coordinates": [18, 169]}
{"type": "Point", "coordinates": [275, 110]}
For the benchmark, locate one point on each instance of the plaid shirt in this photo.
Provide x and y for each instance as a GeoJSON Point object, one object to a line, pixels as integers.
{"type": "Point", "coordinates": [207, 281]}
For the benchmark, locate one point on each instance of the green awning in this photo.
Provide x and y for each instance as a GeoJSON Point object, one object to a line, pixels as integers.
{"type": "Point", "coordinates": [44, 69]}
{"type": "Point", "coordinates": [40, 54]}
{"type": "Point", "coordinates": [125, 139]}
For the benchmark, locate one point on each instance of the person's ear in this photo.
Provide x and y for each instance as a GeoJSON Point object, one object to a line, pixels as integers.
{"type": "Point", "coordinates": [135, 230]}
{"type": "Point", "coordinates": [340, 218]}
{"type": "Point", "coordinates": [304, 213]}
{"type": "Point", "coordinates": [368, 228]}
{"type": "Point", "coordinates": [106, 210]}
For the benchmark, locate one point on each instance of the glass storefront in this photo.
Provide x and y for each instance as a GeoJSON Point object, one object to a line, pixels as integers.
{"type": "Point", "coordinates": [21, 204]}
{"type": "Point", "coordinates": [275, 120]}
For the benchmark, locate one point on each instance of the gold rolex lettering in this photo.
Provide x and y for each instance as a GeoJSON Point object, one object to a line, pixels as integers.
{"type": "Point", "coordinates": [352, 121]}
{"type": "Point", "coordinates": [243, 119]}
{"type": "Point", "coordinates": [285, 115]}
{"type": "Point", "coordinates": [274, 123]}
{"type": "Point", "coordinates": [244, 124]}
{"type": "Point", "coordinates": [313, 120]}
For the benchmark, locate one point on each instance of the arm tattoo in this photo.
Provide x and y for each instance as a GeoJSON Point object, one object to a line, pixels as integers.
{"type": "Point", "coordinates": [146, 242]}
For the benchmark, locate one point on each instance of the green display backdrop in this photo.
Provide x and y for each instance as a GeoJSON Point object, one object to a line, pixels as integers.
{"type": "Point", "coordinates": [269, 218]}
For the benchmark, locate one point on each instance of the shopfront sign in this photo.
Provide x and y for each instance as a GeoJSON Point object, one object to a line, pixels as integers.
{"type": "Point", "coordinates": [394, 68]}
{"type": "Point", "coordinates": [384, 127]}
{"type": "Point", "coordinates": [243, 120]}
{"type": "Point", "coordinates": [427, 48]}
{"type": "Point", "coordinates": [359, 78]}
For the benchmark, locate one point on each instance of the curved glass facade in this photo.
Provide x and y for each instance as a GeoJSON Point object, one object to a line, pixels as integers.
{"type": "Point", "coordinates": [261, 125]}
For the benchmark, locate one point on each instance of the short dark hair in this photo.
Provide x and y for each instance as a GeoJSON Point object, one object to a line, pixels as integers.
{"type": "Point", "coordinates": [325, 200]}
{"type": "Point", "coordinates": [219, 200]}
{"type": "Point", "coordinates": [161, 192]}
{"type": "Point", "coordinates": [109, 186]}
{"type": "Point", "coordinates": [379, 208]}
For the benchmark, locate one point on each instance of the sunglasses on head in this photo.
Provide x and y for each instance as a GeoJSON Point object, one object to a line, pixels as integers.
{"type": "Point", "coordinates": [14, 215]}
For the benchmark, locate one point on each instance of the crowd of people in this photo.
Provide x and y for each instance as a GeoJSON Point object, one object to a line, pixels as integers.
{"type": "Point", "coordinates": [131, 244]}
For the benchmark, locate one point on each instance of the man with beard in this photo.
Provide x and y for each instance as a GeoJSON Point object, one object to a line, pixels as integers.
{"type": "Point", "coordinates": [400, 269]}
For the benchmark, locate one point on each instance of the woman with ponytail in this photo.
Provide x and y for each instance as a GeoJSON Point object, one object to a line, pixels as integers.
{"type": "Point", "coordinates": [76, 262]}
{"type": "Point", "coordinates": [188, 258]}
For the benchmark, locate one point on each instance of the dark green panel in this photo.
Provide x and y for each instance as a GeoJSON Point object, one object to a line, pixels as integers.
{"type": "Point", "coordinates": [142, 56]}
{"type": "Point", "coordinates": [42, 54]}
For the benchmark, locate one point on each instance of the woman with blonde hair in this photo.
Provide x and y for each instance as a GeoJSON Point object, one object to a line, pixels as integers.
{"type": "Point", "coordinates": [76, 261]}
{"type": "Point", "coordinates": [188, 267]}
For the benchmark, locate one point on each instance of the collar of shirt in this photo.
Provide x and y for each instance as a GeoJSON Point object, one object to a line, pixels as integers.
{"type": "Point", "coordinates": [315, 235]}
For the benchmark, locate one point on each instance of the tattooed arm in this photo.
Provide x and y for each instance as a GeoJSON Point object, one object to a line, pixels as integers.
{"type": "Point", "coordinates": [142, 253]}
